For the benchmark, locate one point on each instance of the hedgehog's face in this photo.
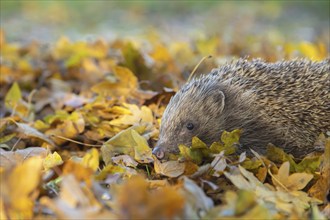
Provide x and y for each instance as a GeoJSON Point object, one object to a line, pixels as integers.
{"type": "Point", "coordinates": [193, 111]}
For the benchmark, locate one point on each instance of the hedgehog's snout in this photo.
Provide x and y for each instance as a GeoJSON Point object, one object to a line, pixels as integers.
{"type": "Point", "coordinates": [158, 152]}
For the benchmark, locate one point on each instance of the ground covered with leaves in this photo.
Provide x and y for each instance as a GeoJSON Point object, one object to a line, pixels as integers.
{"type": "Point", "coordinates": [79, 120]}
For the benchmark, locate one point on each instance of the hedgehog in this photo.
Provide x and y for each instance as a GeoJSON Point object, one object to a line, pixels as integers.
{"type": "Point", "coordinates": [286, 103]}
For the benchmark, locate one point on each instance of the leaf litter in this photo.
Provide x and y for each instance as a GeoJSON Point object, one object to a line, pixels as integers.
{"type": "Point", "coordinates": [78, 127]}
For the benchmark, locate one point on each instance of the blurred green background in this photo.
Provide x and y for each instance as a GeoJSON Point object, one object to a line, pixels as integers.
{"type": "Point", "coordinates": [45, 21]}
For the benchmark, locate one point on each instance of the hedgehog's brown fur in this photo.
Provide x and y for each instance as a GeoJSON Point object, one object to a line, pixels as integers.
{"type": "Point", "coordinates": [286, 103]}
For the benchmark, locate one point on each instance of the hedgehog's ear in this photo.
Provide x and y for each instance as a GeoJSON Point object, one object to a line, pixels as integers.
{"type": "Point", "coordinates": [218, 98]}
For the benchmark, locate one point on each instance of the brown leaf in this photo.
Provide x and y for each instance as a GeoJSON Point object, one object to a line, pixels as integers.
{"type": "Point", "coordinates": [321, 188]}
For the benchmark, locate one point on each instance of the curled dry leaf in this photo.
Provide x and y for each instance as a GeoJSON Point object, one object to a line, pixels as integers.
{"type": "Point", "coordinates": [169, 168]}
{"type": "Point", "coordinates": [128, 142]}
{"type": "Point", "coordinates": [32, 132]}
{"type": "Point", "coordinates": [219, 164]}
{"type": "Point", "coordinates": [125, 160]}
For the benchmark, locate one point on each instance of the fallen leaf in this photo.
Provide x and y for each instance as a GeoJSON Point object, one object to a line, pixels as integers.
{"type": "Point", "coordinates": [18, 198]}
{"type": "Point", "coordinates": [128, 142]}
{"type": "Point", "coordinates": [9, 159]}
{"type": "Point", "coordinates": [32, 132]}
{"type": "Point", "coordinates": [295, 181]}
{"type": "Point", "coordinates": [169, 168]}
{"type": "Point", "coordinates": [125, 160]}
{"type": "Point", "coordinates": [126, 84]}
{"type": "Point", "coordinates": [197, 203]}
{"type": "Point", "coordinates": [91, 159]}
{"type": "Point", "coordinates": [52, 160]}
{"type": "Point", "coordinates": [76, 201]}
{"type": "Point", "coordinates": [13, 96]}
{"type": "Point", "coordinates": [80, 172]}
{"type": "Point", "coordinates": [218, 164]}
{"type": "Point", "coordinates": [321, 188]}
{"type": "Point", "coordinates": [146, 203]}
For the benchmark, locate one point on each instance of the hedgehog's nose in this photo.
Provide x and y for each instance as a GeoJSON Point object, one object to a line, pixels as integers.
{"type": "Point", "coordinates": [158, 152]}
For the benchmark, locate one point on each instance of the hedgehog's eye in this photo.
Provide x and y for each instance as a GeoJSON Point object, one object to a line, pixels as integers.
{"type": "Point", "coordinates": [190, 126]}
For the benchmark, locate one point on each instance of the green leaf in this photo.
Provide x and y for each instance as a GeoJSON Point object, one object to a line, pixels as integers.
{"type": "Point", "coordinates": [197, 143]}
{"type": "Point", "coordinates": [309, 164]}
{"type": "Point", "coordinates": [191, 154]}
{"type": "Point", "coordinates": [231, 138]}
{"type": "Point", "coordinates": [278, 155]}
{"type": "Point", "coordinates": [6, 138]}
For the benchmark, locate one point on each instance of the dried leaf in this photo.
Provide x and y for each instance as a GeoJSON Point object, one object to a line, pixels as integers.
{"type": "Point", "coordinates": [169, 168]}
{"type": "Point", "coordinates": [13, 96]}
{"type": "Point", "coordinates": [321, 188]}
{"type": "Point", "coordinates": [9, 159]}
{"type": "Point", "coordinates": [91, 159]}
{"type": "Point", "coordinates": [128, 142]}
{"type": "Point", "coordinates": [125, 160]}
{"type": "Point", "coordinates": [32, 132]}
{"type": "Point", "coordinates": [295, 181]}
{"type": "Point", "coordinates": [197, 202]}
{"type": "Point", "coordinates": [52, 160]}
{"type": "Point", "coordinates": [18, 198]}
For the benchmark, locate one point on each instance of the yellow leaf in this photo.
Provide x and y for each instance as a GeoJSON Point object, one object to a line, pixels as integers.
{"type": "Point", "coordinates": [142, 150]}
{"type": "Point", "coordinates": [197, 143]}
{"type": "Point", "coordinates": [91, 159]}
{"type": "Point", "coordinates": [17, 188]}
{"type": "Point", "coordinates": [81, 172]}
{"type": "Point", "coordinates": [136, 115]}
{"type": "Point", "coordinates": [52, 160]}
{"type": "Point", "coordinates": [310, 50]}
{"type": "Point", "coordinates": [128, 142]}
{"type": "Point", "coordinates": [126, 83]}
{"type": "Point", "coordinates": [182, 52]}
{"type": "Point", "coordinates": [231, 138]}
{"type": "Point", "coordinates": [109, 169]}
{"type": "Point", "coordinates": [245, 201]}
{"type": "Point", "coordinates": [78, 120]}
{"type": "Point", "coordinates": [66, 129]}
{"type": "Point", "coordinates": [161, 54]}
{"type": "Point", "coordinates": [208, 46]}
{"type": "Point", "coordinates": [296, 181]}
{"type": "Point", "coordinates": [164, 203]}
{"type": "Point", "coordinates": [2, 38]}
{"type": "Point", "coordinates": [283, 173]}
{"type": "Point", "coordinates": [13, 96]}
